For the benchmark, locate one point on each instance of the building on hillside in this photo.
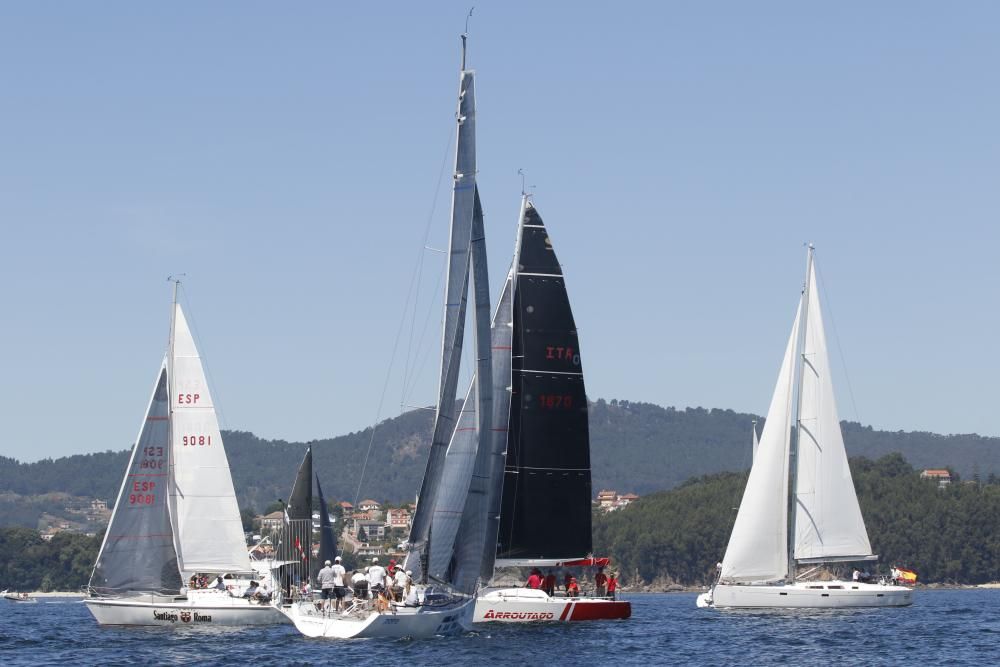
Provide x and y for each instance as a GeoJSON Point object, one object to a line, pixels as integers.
{"type": "Point", "coordinates": [606, 499]}
{"type": "Point", "coordinates": [397, 518]}
{"type": "Point", "coordinates": [373, 530]}
{"type": "Point", "coordinates": [368, 505]}
{"type": "Point", "coordinates": [942, 476]}
{"type": "Point", "coordinates": [626, 499]}
{"type": "Point", "coordinates": [345, 507]}
{"type": "Point", "coordinates": [271, 521]}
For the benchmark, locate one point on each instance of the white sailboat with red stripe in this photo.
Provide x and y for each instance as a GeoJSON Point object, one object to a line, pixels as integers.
{"type": "Point", "coordinates": [541, 505]}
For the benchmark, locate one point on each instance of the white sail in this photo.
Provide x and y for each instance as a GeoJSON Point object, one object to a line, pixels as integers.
{"type": "Point", "coordinates": [756, 443]}
{"type": "Point", "coordinates": [206, 518]}
{"type": "Point", "coordinates": [828, 521]}
{"type": "Point", "coordinates": [758, 546]}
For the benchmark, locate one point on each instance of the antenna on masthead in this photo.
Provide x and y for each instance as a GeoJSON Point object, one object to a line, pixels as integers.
{"type": "Point", "coordinates": [465, 35]}
{"type": "Point", "coordinates": [176, 280]}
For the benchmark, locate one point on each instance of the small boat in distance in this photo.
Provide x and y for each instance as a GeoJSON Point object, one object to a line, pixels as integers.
{"type": "Point", "coordinates": [14, 596]}
{"type": "Point", "coordinates": [799, 507]}
{"type": "Point", "coordinates": [176, 526]}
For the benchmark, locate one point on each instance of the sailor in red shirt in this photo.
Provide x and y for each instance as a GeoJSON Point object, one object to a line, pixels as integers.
{"type": "Point", "coordinates": [535, 580]}
{"type": "Point", "coordinates": [573, 589]}
{"type": "Point", "coordinates": [600, 582]}
{"type": "Point", "coordinates": [612, 585]}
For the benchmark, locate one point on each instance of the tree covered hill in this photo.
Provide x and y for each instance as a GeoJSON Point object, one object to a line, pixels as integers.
{"type": "Point", "coordinates": [947, 535]}
{"type": "Point", "coordinates": [636, 447]}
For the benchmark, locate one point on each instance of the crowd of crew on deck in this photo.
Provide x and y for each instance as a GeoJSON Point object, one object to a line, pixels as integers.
{"type": "Point", "coordinates": [604, 586]}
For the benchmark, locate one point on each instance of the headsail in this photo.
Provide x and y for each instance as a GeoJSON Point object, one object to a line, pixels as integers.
{"type": "Point", "coordinates": [828, 521]}
{"type": "Point", "coordinates": [758, 547]}
{"type": "Point", "coordinates": [207, 525]}
{"type": "Point", "coordinates": [545, 504]}
{"type": "Point", "coordinates": [138, 549]}
{"type": "Point", "coordinates": [327, 535]}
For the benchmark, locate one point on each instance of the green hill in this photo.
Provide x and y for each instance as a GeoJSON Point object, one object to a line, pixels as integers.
{"type": "Point", "coordinates": [636, 447]}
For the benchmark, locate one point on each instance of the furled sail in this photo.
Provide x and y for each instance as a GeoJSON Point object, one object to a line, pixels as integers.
{"type": "Point", "coordinates": [207, 526]}
{"type": "Point", "coordinates": [546, 496]}
{"type": "Point", "coordinates": [138, 549]}
{"type": "Point", "coordinates": [828, 521]}
{"type": "Point", "coordinates": [758, 546]}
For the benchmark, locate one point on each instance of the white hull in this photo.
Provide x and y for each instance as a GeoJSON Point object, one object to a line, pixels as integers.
{"type": "Point", "coordinates": [414, 622]}
{"type": "Point", "coordinates": [526, 605]}
{"type": "Point", "coordinates": [197, 610]}
{"type": "Point", "coordinates": [807, 595]}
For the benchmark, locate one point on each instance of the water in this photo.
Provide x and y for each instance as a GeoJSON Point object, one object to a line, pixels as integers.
{"type": "Point", "coordinates": [953, 627]}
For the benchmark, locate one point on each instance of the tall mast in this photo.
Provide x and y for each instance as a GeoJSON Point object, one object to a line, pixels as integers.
{"type": "Point", "coordinates": [793, 454]}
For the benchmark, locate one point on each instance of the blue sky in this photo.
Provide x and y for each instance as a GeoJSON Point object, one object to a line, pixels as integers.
{"type": "Point", "coordinates": [288, 158]}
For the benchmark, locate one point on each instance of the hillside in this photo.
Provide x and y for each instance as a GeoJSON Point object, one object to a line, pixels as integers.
{"type": "Point", "coordinates": [636, 447]}
{"type": "Point", "coordinates": [947, 535]}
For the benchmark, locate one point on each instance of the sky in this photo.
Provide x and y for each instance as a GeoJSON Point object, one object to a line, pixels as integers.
{"type": "Point", "coordinates": [292, 161]}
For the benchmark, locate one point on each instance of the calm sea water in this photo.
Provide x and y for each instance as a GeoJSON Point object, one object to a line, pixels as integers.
{"type": "Point", "coordinates": [943, 627]}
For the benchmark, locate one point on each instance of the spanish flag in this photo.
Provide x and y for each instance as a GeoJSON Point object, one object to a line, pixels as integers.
{"type": "Point", "coordinates": [909, 576]}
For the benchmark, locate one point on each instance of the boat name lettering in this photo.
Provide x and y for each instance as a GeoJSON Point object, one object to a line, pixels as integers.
{"type": "Point", "coordinates": [187, 399]}
{"type": "Point", "coordinates": [196, 440]}
{"type": "Point", "coordinates": [492, 615]}
{"type": "Point", "coordinates": [165, 616]}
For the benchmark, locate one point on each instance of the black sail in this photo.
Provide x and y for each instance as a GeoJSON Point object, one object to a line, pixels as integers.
{"type": "Point", "coordinates": [546, 497]}
{"type": "Point", "coordinates": [296, 540]}
{"type": "Point", "coordinates": [327, 537]}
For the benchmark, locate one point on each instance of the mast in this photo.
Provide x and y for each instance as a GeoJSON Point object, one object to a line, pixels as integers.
{"type": "Point", "coordinates": [794, 442]}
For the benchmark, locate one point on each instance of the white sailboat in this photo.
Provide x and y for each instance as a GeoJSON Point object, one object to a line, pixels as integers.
{"type": "Point", "coordinates": [540, 502]}
{"type": "Point", "coordinates": [448, 532]}
{"type": "Point", "coordinates": [176, 519]}
{"type": "Point", "coordinates": [799, 507]}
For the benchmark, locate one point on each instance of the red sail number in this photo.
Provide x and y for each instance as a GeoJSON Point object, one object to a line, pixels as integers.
{"type": "Point", "coordinates": [197, 440]}
{"type": "Point", "coordinates": [555, 401]}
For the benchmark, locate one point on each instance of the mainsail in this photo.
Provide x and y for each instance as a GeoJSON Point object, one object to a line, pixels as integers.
{"type": "Point", "coordinates": [828, 521]}
{"type": "Point", "coordinates": [208, 531]}
{"type": "Point", "coordinates": [546, 494]}
{"type": "Point", "coordinates": [445, 486]}
{"type": "Point", "coordinates": [138, 549]}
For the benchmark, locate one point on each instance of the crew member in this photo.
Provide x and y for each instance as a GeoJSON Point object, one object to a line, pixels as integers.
{"type": "Point", "coordinates": [600, 582]}
{"type": "Point", "coordinates": [612, 585]}
{"type": "Point", "coordinates": [535, 580]}
{"type": "Point", "coordinates": [325, 578]}
{"type": "Point", "coordinates": [549, 585]}
{"type": "Point", "coordinates": [573, 588]}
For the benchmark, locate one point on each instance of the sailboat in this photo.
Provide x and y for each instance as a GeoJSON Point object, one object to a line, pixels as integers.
{"type": "Point", "coordinates": [176, 524]}
{"type": "Point", "coordinates": [541, 504]}
{"type": "Point", "coordinates": [447, 535]}
{"type": "Point", "coordinates": [799, 510]}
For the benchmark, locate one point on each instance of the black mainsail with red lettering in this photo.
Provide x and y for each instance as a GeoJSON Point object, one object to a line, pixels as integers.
{"type": "Point", "coordinates": [546, 497]}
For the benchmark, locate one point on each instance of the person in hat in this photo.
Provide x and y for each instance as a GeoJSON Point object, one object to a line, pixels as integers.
{"type": "Point", "coordinates": [399, 580]}
{"type": "Point", "coordinates": [220, 585]}
{"type": "Point", "coordinates": [376, 577]}
{"type": "Point", "coordinates": [359, 582]}
{"type": "Point", "coordinates": [339, 582]}
{"type": "Point", "coordinates": [573, 588]}
{"type": "Point", "coordinates": [325, 578]}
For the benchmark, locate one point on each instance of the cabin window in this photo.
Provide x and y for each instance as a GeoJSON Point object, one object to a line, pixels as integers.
{"type": "Point", "coordinates": [819, 587]}
{"type": "Point", "coordinates": [835, 588]}
{"type": "Point", "coordinates": [782, 593]}
{"type": "Point", "coordinates": [879, 595]}
{"type": "Point", "coordinates": [826, 595]}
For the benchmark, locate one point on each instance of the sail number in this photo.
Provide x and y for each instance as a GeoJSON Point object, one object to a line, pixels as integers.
{"type": "Point", "coordinates": [140, 493]}
{"type": "Point", "coordinates": [197, 440]}
{"type": "Point", "coordinates": [555, 401]}
{"type": "Point", "coordinates": [561, 353]}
